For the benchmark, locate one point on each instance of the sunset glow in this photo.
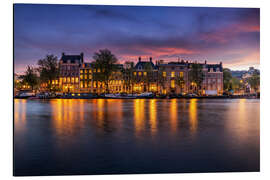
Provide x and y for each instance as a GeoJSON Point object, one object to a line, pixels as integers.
{"type": "Point", "coordinates": [230, 35]}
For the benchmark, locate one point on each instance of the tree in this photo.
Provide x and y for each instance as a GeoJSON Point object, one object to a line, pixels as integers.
{"type": "Point", "coordinates": [236, 84]}
{"type": "Point", "coordinates": [29, 77]}
{"type": "Point", "coordinates": [180, 81]}
{"type": "Point", "coordinates": [105, 65]}
{"type": "Point", "coordinates": [196, 75]}
{"type": "Point", "coordinates": [149, 75]}
{"type": "Point", "coordinates": [48, 70]}
{"type": "Point", "coordinates": [254, 81]}
{"type": "Point", "coordinates": [227, 79]}
{"type": "Point", "coordinates": [161, 80]}
{"type": "Point", "coordinates": [128, 76]}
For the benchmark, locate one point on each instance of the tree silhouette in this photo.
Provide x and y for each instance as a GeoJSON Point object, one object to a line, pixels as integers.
{"type": "Point", "coordinates": [105, 65]}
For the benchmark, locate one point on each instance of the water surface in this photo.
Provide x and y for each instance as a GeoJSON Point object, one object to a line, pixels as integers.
{"type": "Point", "coordinates": [98, 136]}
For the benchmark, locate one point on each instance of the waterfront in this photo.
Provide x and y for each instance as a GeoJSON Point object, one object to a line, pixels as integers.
{"type": "Point", "coordinates": [108, 136]}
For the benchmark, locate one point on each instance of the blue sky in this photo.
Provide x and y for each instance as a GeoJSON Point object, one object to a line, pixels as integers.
{"type": "Point", "coordinates": [230, 35]}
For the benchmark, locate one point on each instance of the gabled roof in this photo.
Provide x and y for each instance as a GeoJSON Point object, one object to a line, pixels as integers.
{"type": "Point", "coordinates": [214, 67]}
{"type": "Point", "coordinates": [144, 64]}
{"type": "Point", "coordinates": [72, 58]}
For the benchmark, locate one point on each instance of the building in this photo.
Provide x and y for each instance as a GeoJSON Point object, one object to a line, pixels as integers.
{"type": "Point", "coordinates": [69, 66]}
{"type": "Point", "coordinates": [77, 76]}
{"type": "Point", "coordinates": [144, 76]}
{"type": "Point", "coordinates": [177, 80]}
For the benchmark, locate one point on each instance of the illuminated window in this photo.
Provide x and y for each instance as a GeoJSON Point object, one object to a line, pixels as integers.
{"type": "Point", "coordinates": [76, 80]}
{"type": "Point", "coordinates": [172, 74]}
{"type": "Point", "coordinates": [52, 81]}
{"type": "Point", "coordinates": [85, 76]}
{"type": "Point", "coordinates": [90, 71]}
{"type": "Point", "coordinates": [81, 71]}
{"type": "Point", "coordinates": [172, 84]}
{"type": "Point", "coordinates": [144, 73]}
{"type": "Point", "coordinates": [140, 73]}
{"type": "Point", "coordinates": [135, 73]}
{"type": "Point", "coordinates": [61, 80]}
{"type": "Point", "coordinates": [181, 74]}
{"type": "Point", "coordinates": [65, 80]}
{"type": "Point", "coordinates": [81, 85]}
{"type": "Point", "coordinates": [85, 84]}
{"type": "Point", "coordinates": [90, 77]}
{"type": "Point", "coordinates": [98, 70]}
{"type": "Point", "coordinates": [164, 74]}
{"type": "Point", "coordinates": [72, 80]}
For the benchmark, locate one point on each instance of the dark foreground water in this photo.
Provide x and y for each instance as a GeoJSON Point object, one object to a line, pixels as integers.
{"type": "Point", "coordinates": [60, 137]}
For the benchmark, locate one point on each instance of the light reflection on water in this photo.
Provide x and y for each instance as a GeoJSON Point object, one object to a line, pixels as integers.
{"type": "Point", "coordinates": [85, 136]}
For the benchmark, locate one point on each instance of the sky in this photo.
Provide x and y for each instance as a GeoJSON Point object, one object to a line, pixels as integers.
{"type": "Point", "coordinates": [230, 35]}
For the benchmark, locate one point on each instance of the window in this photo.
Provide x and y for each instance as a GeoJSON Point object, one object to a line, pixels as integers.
{"type": "Point", "coordinates": [181, 74]}
{"type": "Point", "coordinates": [135, 73]}
{"type": "Point", "coordinates": [172, 74]}
{"type": "Point", "coordinates": [172, 84]}
{"type": "Point", "coordinates": [65, 79]}
{"type": "Point", "coordinates": [144, 73]}
{"type": "Point", "coordinates": [68, 80]}
{"type": "Point", "coordinates": [72, 80]}
{"type": "Point", "coordinates": [164, 74]}
{"type": "Point", "coordinates": [81, 76]}
{"type": "Point", "coordinates": [140, 73]}
{"type": "Point", "coordinates": [76, 79]}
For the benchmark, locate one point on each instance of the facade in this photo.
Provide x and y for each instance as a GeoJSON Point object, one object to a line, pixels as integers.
{"type": "Point", "coordinates": [69, 72]}
{"type": "Point", "coordinates": [76, 76]}
{"type": "Point", "coordinates": [174, 71]}
{"type": "Point", "coordinates": [144, 76]}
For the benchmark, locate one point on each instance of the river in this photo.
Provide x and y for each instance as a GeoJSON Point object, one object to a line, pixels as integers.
{"type": "Point", "coordinates": [114, 136]}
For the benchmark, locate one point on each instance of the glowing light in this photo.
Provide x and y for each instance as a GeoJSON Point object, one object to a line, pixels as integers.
{"type": "Point", "coordinates": [193, 115]}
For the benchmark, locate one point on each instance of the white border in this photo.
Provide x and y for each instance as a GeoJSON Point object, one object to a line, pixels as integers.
{"type": "Point", "coordinates": [6, 85]}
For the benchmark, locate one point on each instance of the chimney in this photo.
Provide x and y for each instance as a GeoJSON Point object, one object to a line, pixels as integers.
{"type": "Point", "coordinates": [82, 56]}
{"type": "Point", "coordinates": [63, 53]}
{"type": "Point", "coordinates": [205, 62]}
{"type": "Point", "coordinates": [140, 59]}
{"type": "Point", "coordinates": [150, 59]}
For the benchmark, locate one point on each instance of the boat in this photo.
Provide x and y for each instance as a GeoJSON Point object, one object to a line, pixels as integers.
{"type": "Point", "coordinates": [146, 95]}
{"type": "Point", "coordinates": [25, 95]}
{"type": "Point", "coordinates": [120, 96]}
